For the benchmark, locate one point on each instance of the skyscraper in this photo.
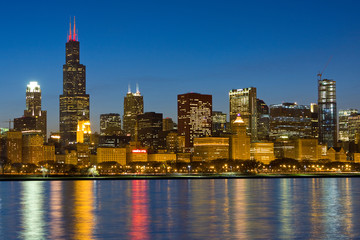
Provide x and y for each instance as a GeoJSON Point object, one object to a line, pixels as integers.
{"type": "Point", "coordinates": [74, 102]}
{"type": "Point", "coordinates": [194, 116]}
{"type": "Point", "coordinates": [150, 127]}
{"type": "Point", "coordinates": [243, 102]}
{"type": "Point", "coordinates": [34, 118]}
{"type": "Point", "coordinates": [133, 106]}
{"type": "Point", "coordinates": [327, 112]}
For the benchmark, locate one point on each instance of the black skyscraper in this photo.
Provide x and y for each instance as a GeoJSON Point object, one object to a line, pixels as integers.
{"type": "Point", "coordinates": [74, 102]}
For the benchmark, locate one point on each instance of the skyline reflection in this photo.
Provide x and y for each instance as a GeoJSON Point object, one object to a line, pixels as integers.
{"type": "Point", "coordinates": [181, 209]}
{"type": "Point", "coordinates": [84, 210]}
{"type": "Point", "coordinates": [139, 228]}
{"type": "Point", "coordinates": [32, 219]}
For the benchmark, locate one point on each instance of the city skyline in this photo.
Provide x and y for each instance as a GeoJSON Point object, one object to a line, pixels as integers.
{"type": "Point", "coordinates": [222, 64]}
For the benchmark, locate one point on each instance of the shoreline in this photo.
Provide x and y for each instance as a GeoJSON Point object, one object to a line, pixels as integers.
{"type": "Point", "coordinates": [175, 176]}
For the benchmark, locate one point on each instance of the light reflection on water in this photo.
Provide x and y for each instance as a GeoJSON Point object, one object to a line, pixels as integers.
{"type": "Point", "coordinates": [178, 209]}
{"type": "Point", "coordinates": [32, 211]}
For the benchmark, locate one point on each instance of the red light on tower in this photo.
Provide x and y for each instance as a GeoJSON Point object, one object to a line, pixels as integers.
{"type": "Point", "coordinates": [72, 32]}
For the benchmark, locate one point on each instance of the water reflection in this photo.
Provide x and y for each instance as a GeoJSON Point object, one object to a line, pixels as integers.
{"type": "Point", "coordinates": [139, 228]}
{"type": "Point", "coordinates": [240, 209]}
{"type": "Point", "coordinates": [83, 210]}
{"type": "Point", "coordinates": [32, 199]}
{"type": "Point", "coordinates": [286, 210]}
{"type": "Point", "coordinates": [56, 217]}
{"type": "Point", "coordinates": [181, 209]}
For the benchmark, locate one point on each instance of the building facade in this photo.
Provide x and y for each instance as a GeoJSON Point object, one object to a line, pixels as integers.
{"type": "Point", "coordinates": [239, 141]}
{"type": "Point", "coordinates": [263, 120]}
{"type": "Point", "coordinates": [74, 102]}
{"type": "Point", "coordinates": [219, 124]}
{"type": "Point", "coordinates": [243, 102]}
{"type": "Point", "coordinates": [32, 145]}
{"type": "Point", "coordinates": [327, 112]}
{"type": "Point", "coordinates": [344, 123]}
{"type": "Point", "coordinates": [150, 129]}
{"type": "Point", "coordinates": [290, 120]}
{"type": "Point", "coordinates": [194, 117]}
{"type": "Point", "coordinates": [211, 148]}
{"type": "Point", "coordinates": [33, 108]}
{"type": "Point", "coordinates": [111, 155]}
{"type": "Point", "coordinates": [354, 128]}
{"type": "Point", "coordinates": [168, 124]}
{"type": "Point", "coordinates": [110, 124]}
{"type": "Point", "coordinates": [14, 146]}
{"type": "Point", "coordinates": [133, 106]}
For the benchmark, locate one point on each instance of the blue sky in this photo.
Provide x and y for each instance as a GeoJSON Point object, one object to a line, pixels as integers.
{"type": "Point", "coordinates": [174, 47]}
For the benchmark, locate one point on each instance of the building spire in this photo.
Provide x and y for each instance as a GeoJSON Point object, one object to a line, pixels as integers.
{"type": "Point", "coordinates": [74, 32]}
{"type": "Point", "coordinates": [129, 88]}
{"type": "Point", "coordinates": [70, 35]}
{"type": "Point", "coordinates": [137, 88]}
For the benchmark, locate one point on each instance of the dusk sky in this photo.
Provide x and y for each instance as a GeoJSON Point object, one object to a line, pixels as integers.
{"type": "Point", "coordinates": [174, 47]}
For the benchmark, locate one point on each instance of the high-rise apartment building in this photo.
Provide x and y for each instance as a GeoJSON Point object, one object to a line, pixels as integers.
{"type": "Point", "coordinates": [74, 102]}
{"type": "Point", "coordinates": [344, 123]}
{"type": "Point", "coordinates": [194, 116]}
{"type": "Point", "coordinates": [243, 102]}
{"type": "Point", "coordinates": [327, 112]}
{"type": "Point", "coordinates": [290, 120]}
{"type": "Point", "coordinates": [133, 106]}
{"type": "Point", "coordinates": [110, 124]}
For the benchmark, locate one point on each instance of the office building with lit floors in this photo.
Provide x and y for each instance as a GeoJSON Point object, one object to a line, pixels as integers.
{"type": "Point", "coordinates": [344, 123]}
{"type": "Point", "coordinates": [150, 126]}
{"type": "Point", "coordinates": [211, 148]}
{"type": "Point", "coordinates": [290, 121]}
{"type": "Point", "coordinates": [244, 102]}
{"type": "Point", "coordinates": [194, 117]}
{"type": "Point", "coordinates": [110, 124]}
{"type": "Point", "coordinates": [74, 102]}
{"type": "Point", "coordinates": [327, 112]}
{"type": "Point", "coordinates": [133, 106]}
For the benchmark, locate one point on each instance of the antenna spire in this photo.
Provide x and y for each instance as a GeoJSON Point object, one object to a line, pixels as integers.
{"type": "Point", "coordinates": [70, 35]}
{"type": "Point", "coordinates": [129, 88]}
{"type": "Point", "coordinates": [74, 34]}
{"type": "Point", "coordinates": [137, 88]}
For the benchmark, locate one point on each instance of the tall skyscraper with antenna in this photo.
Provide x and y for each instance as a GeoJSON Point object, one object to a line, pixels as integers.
{"type": "Point", "coordinates": [133, 106]}
{"type": "Point", "coordinates": [74, 102]}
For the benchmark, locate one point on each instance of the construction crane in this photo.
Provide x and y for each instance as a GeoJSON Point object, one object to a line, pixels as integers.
{"type": "Point", "coordinates": [321, 73]}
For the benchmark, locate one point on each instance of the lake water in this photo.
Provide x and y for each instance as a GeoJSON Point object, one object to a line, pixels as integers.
{"type": "Point", "coordinates": [300, 208]}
